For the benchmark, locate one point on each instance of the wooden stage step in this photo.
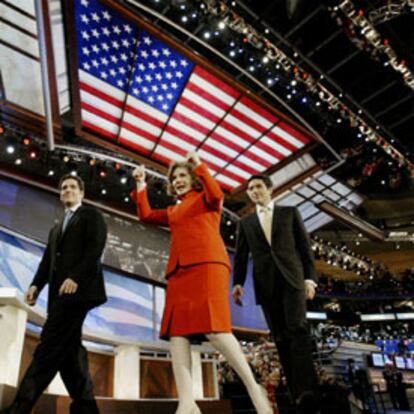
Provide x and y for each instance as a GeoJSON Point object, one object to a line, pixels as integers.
{"type": "Point", "coordinates": [52, 404]}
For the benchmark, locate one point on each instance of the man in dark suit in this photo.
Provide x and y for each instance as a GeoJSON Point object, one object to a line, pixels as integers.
{"type": "Point", "coordinates": [71, 265]}
{"type": "Point", "coordinates": [284, 277]}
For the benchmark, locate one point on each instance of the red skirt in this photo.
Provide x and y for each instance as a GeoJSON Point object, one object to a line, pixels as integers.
{"type": "Point", "coordinates": [197, 301]}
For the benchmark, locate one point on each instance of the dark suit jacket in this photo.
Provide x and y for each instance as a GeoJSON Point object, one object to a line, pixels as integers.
{"type": "Point", "coordinates": [75, 254]}
{"type": "Point", "coordinates": [290, 254]}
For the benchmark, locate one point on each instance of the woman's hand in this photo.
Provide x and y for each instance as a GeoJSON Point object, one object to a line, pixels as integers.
{"type": "Point", "coordinates": [193, 159]}
{"type": "Point", "coordinates": [139, 176]}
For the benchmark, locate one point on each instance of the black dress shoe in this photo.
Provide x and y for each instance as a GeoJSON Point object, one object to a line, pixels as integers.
{"type": "Point", "coordinates": [307, 403]}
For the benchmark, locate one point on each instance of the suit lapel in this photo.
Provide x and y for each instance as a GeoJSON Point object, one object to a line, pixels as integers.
{"type": "Point", "coordinates": [257, 227]}
{"type": "Point", "coordinates": [72, 221]}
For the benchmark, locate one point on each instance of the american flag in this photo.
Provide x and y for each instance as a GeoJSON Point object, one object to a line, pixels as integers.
{"type": "Point", "coordinates": [140, 92]}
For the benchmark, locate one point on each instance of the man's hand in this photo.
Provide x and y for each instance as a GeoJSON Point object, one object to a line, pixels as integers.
{"type": "Point", "coordinates": [310, 290]}
{"type": "Point", "coordinates": [238, 293]}
{"type": "Point", "coordinates": [30, 297]}
{"type": "Point", "coordinates": [69, 287]}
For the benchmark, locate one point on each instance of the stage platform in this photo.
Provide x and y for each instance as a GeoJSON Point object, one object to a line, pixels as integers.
{"type": "Point", "coordinates": [52, 404]}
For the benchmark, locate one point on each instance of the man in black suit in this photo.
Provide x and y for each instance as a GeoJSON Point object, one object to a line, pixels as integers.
{"type": "Point", "coordinates": [71, 265]}
{"type": "Point", "coordinates": [284, 277]}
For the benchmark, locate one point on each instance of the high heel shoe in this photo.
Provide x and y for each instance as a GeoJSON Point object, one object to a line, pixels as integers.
{"type": "Point", "coordinates": [261, 401]}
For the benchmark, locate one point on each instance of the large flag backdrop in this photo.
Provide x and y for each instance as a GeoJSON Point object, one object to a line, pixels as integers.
{"type": "Point", "coordinates": [143, 94]}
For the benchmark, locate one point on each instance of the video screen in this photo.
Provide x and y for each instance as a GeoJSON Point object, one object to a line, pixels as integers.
{"type": "Point", "coordinates": [377, 360]}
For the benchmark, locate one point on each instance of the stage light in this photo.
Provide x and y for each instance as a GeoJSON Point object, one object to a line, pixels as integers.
{"type": "Point", "coordinates": [216, 33]}
{"type": "Point", "coordinates": [184, 19]}
{"type": "Point", "coordinates": [293, 83]}
{"type": "Point", "coordinates": [66, 158]}
{"type": "Point", "coordinates": [359, 135]}
{"type": "Point", "coordinates": [277, 66]}
{"type": "Point", "coordinates": [74, 173]}
{"type": "Point", "coordinates": [251, 68]}
{"type": "Point", "coordinates": [126, 199]}
{"type": "Point", "coordinates": [270, 82]}
{"type": "Point", "coordinates": [289, 96]}
{"type": "Point", "coordinates": [383, 182]}
{"type": "Point", "coordinates": [1, 130]}
{"type": "Point", "coordinates": [92, 162]}
{"type": "Point", "coordinates": [124, 180]}
{"type": "Point", "coordinates": [103, 191]}
{"type": "Point", "coordinates": [18, 161]}
{"type": "Point", "coordinates": [339, 120]}
{"type": "Point", "coordinates": [304, 100]}
{"type": "Point", "coordinates": [267, 31]}
{"type": "Point", "coordinates": [228, 222]}
{"type": "Point", "coordinates": [231, 236]}
{"type": "Point", "coordinates": [265, 59]}
{"type": "Point", "coordinates": [232, 44]}
{"type": "Point", "coordinates": [102, 173]}
{"type": "Point", "coordinates": [207, 35]}
{"type": "Point", "coordinates": [10, 149]}
{"type": "Point", "coordinates": [51, 173]}
{"type": "Point", "coordinates": [318, 103]}
{"type": "Point", "coordinates": [33, 154]}
{"type": "Point", "coordinates": [222, 25]}
{"type": "Point", "coordinates": [232, 53]}
{"type": "Point", "coordinates": [360, 111]}
{"type": "Point", "coordinates": [26, 141]}
{"type": "Point", "coordinates": [194, 15]}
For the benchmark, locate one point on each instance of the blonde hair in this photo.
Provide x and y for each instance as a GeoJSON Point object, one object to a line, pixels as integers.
{"type": "Point", "coordinates": [195, 181]}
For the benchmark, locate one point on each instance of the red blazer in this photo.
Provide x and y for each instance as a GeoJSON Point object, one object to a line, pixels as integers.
{"type": "Point", "coordinates": [194, 224]}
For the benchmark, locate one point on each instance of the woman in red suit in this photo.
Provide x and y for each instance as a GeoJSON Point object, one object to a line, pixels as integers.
{"type": "Point", "coordinates": [198, 274]}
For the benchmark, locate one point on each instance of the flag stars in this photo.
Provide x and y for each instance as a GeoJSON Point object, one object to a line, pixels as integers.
{"type": "Point", "coordinates": [151, 65]}
{"type": "Point", "coordinates": [169, 75]}
{"type": "Point", "coordinates": [147, 40]}
{"type": "Point", "coordinates": [141, 67]}
{"type": "Point", "coordinates": [106, 15]}
{"type": "Point", "coordinates": [183, 63]}
{"type": "Point", "coordinates": [115, 44]}
{"type": "Point", "coordinates": [95, 48]}
{"type": "Point", "coordinates": [104, 61]}
{"type": "Point", "coordinates": [151, 99]}
{"type": "Point", "coordinates": [160, 98]}
{"type": "Point", "coordinates": [155, 53]}
{"type": "Point", "coordinates": [164, 107]}
{"type": "Point", "coordinates": [85, 3]}
{"type": "Point", "coordinates": [95, 33]}
{"type": "Point", "coordinates": [86, 66]}
{"type": "Point", "coordinates": [162, 64]}
{"type": "Point", "coordinates": [122, 70]}
{"type": "Point", "coordinates": [127, 28]}
{"type": "Point", "coordinates": [120, 83]}
{"type": "Point", "coordinates": [169, 96]}
{"type": "Point", "coordinates": [95, 17]}
{"type": "Point", "coordinates": [95, 63]}
{"type": "Point", "coordinates": [124, 57]}
{"type": "Point", "coordinates": [166, 52]}
{"type": "Point", "coordinates": [84, 18]}
{"type": "Point", "coordinates": [164, 87]}
{"type": "Point", "coordinates": [179, 74]}
{"type": "Point", "coordinates": [125, 43]}
{"type": "Point", "coordinates": [86, 51]}
{"type": "Point", "coordinates": [145, 89]}
{"type": "Point", "coordinates": [112, 72]}
{"type": "Point", "coordinates": [173, 64]}
{"type": "Point", "coordinates": [148, 78]}
{"type": "Point", "coordinates": [85, 35]}
{"type": "Point", "coordinates": [135, 91]}
{"type": "Point", "coordinates": [106, 31]}
{"type": "Point", "coordinates": [154, 88]}
{"type": "Point", "coordinates": [114, 59]}
{"type": "Point", "coordinates": [116, 30]}
{"type": "Point", "coordinates": [158, 76]}
{"type": "Point", "coordinates": [174, 85]}
{"type": "Point", "coordinates": [105, 46]}
{"type": "Point", "coordinates": [144, 54]}
{"type": "Point", "coordinates": [104, 75]}
{"type": "Point", "coordinates": [138, 79]}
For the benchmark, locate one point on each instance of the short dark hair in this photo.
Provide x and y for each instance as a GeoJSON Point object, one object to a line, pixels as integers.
{"type": "Point", "coordinates": [265, 178]}
{"type": "Point", "coordinates": [79, 180]}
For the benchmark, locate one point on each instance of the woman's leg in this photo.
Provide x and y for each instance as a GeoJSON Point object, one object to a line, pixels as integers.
{"type": "Point", "coordinates": [230, 348]}
{"type": "Point", "coordinates": [181, 362]}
